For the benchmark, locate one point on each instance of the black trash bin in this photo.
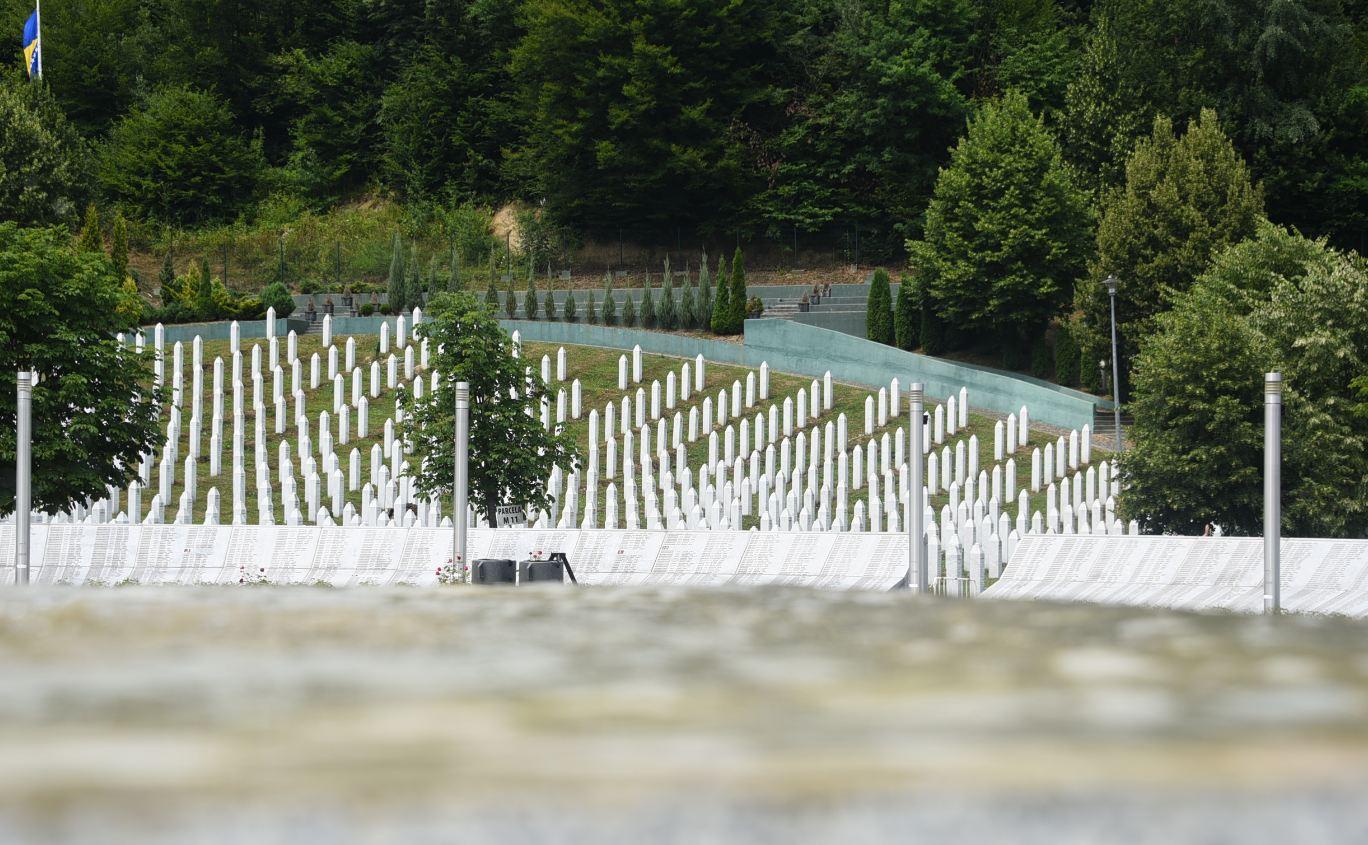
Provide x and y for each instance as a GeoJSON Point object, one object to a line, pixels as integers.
{"type": "Point", "coordinates": [494, 571]}
{"type": "Point", "coordinates": [541, 572]}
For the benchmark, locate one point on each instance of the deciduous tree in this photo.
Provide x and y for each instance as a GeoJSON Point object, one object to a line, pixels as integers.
{"type": "Point", "coordinates": [510, 453]}
{"type": "Point", "coordinates": [1185, 200]}
{"type": "Point", "coordinates": [1007, 230]}
{"type": "Point", "coordinates": [94, 408]}
{"type": "Point", "coordinates": [1277, 302]}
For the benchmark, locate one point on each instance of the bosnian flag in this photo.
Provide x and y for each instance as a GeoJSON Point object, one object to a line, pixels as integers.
{"type": "Point", "coordinates": [33, 57]}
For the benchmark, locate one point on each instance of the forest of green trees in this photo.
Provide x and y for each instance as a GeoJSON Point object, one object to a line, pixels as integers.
{"type": "Point", "coordinates": [711, 115]}
{"type": "Point", "coordinates": [1002, 157]}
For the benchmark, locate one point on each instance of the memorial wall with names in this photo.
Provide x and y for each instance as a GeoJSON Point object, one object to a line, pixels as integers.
{"type": "Point", "coordinates": [1190, 573]}
{"type": "Point", "coordinates": [346, 556]}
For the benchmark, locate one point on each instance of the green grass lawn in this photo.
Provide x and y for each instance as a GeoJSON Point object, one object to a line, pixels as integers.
{"type": "Point", "coordinates": [596, 368]}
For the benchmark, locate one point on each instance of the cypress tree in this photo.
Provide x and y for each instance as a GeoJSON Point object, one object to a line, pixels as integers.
{"type": "Point", "coordinates": [530, 299]}
{"type": "Point", "coordinates": [492, 296]}
{"type": "Point", "coordinates": [394, 295]}
{"type": "Point", "coordinates": [688, 307]}
{"type": "Point", "coordinates": [1066, 356]}
{"type": "Point", "coordinates": [510, 300]}
{"type": "Point", "coordinates": [609, 301]}
{"type": "Point", "coordinates": [1040, 357]}
{"type": "Point", "coordinates": [550, 305]}
{"type": "Point", "coordinates": [879, 310]}
{"type": "Point", "coordinates": [704, 307]}
{"type": "Point", "coordinates": [592, 316]}
{"type": "Point", "coordinates": [736, 297]}
{"type": "Point", "coordinates": [204, 293]}
{"type": "Point", "coordinates": [668, 316]}
{"type": "Point", "coordinates": [906, 319]}
{"type": "Point", "coordinates": [1088, 376]}
{"type": "Point", "coordinates": [932, 334]}
{"type": "Point", "coordinates": [166, 280]}
{"type": "Point", "coordinates": [720, 304]}
{"type": "Point", "coordinates": [629, 314]}
{"type": "Point", "coordinates": [648, 312]}
{"type": "Point", "coordinates": [118, 247]}
{"type": "Point", "coordinates": [91, 241]}
{"type": "Point", "coordinates": [569, 306]}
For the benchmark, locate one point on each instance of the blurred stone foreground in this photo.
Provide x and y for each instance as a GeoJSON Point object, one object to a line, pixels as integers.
{"type": "Point", "coordinates": [269, 714]}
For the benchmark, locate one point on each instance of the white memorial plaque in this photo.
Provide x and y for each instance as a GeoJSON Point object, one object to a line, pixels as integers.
{"type": "Point", "coordinates": [1192, 573]}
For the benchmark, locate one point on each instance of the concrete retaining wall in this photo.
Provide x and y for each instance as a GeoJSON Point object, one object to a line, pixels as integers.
{"type": "Point", "coordinates": [788, 345]}
{"type": "Point", "coordinates": [793, 347]}
{"type": "Point", "coordinates": [185, 332]}
{"type": "Point", "coordinates": [614, 337]}
{"type": "Point", "coordinates": [797, 348]}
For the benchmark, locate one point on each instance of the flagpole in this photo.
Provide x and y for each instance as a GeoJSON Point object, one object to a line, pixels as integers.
{"type": "Point", "coordinates": [38, 21]}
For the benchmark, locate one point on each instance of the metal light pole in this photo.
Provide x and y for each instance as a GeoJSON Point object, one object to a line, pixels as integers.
{"type": "Point", "coordinates": [1272, 492]}
{"type": "Point", "coordinates": [461, 483]}
{"type": "Point", "coordinates": [23, 479]}
{"type": "Point", "coordinates": [1112, 283]}
{"type": "Point", "coordinates": [916, 557]}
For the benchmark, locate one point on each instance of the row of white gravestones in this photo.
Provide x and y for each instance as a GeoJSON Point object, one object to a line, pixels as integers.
{"type": "Point", "coordinates": [681, 466]}
{"type": "Point", "coordinates": [1066, 516]}
{"type": "Point", "coordinates": [333, 478]}
{"type": "Point", "coordinates": [721, 402]}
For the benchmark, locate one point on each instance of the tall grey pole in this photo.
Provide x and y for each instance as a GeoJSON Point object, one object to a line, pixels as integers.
{"type": "Point", "coordinates": [23, 478]}
{"type": "Point", "coordinates": [1112, 283]}
{"type": "Point", "coordinates": [459, 489]}
{"type": "Point", "coordinates": [916, 556]}
{"type": "Point", "coordinates": [1272, 492]}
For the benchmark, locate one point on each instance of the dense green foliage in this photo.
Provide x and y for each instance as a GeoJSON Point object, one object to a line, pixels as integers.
{"type": "Point", "coordinates": [1278, 302]}
{"type": "Point", "coordinates": [93, 412]}
{"type": "Point", "coordinates": [118, 246]}
{"type": "Point", "coordinates": [647, 312]}
{"type": "Point", "coordinates": [530, 302]}
{"type": "Point", "coordinates": [510, 452]}
{"type": "Point", "coordinates": [91, 239]}
{"type": "Point", "coordinates": [177, 157]}
{"type": "Point", "coordinates": [1184, 200]}
{"type": "Point", "coordinates": [1007, 231]}
{"type": "Point", "coordinates": [721, 302]}
{"type": "Point", "coordinates": [1287, 77]}
{"type": "Point", "coordinates": [906, 315]}
{"type": "Point", "coordinates": [1066, 356]}
{"type": "Point", "coordinates": [276, 296]}
{"type": "Point", "coordinates": [879, 309]}
{"type": "Point", "coordinates": [736, 295]}
{"type": "Point", "coordinates": [609, 302]}
{"type": "Point", "coordinates": [714, 116]}
{"type": "Point", "coordinates": [44, 162]}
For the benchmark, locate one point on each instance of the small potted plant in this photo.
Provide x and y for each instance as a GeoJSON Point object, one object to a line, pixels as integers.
{"type": "Point", "coordinates": [804, 303]}
{"type": "Point", "coordinates": [347, 297]}
{"type": "Point", "coordinates": [816, 294]}
{"type": "Point", "coordinates": [328, 304]}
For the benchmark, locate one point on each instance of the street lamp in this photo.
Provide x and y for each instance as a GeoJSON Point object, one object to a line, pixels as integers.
{"type": "Point", "coordinates": [1112, 284]}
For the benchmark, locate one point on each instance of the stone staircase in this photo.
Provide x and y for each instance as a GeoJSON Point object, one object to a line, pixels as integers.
{"type": "Point", "coordinates": [1104, 423]}
{"type": "Point", "coordinates": [316, 319]}
{"type": "Point", "coordinates": [785, 309]}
